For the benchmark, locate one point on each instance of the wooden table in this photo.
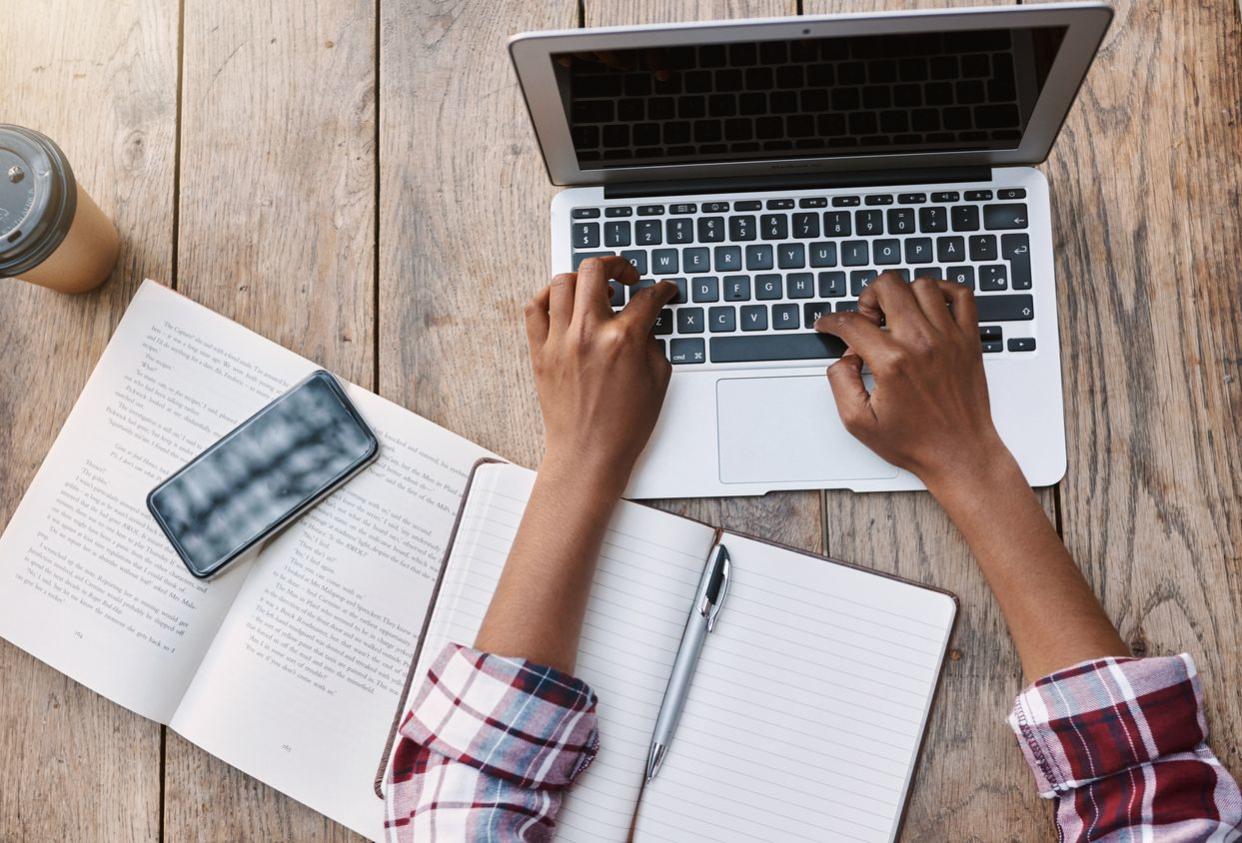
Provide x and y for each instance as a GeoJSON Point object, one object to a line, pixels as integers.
{"type": "Point", "coordinates": [357, 180]}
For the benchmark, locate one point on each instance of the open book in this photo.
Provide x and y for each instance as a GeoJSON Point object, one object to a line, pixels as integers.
{"type": "Point", "coordinates": [808, 707]}
{"type": "Point", "coordinates": [289, 666]}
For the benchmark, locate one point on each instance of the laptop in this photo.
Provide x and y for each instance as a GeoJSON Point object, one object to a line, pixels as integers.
{"type": "Point", "coordinates": [771, 169]}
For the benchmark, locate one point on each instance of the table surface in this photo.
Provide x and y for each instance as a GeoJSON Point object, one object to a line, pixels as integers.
{"type": "Point", "coordinates": [357, 180]}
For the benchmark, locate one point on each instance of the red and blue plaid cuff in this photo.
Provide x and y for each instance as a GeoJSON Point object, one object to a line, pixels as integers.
{"type": "Point", "coordinates": [525, 723]}
{"type": "Point", "coordinates": [1100, 717]}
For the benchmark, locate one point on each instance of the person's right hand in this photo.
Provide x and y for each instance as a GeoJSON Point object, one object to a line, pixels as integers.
{"type": "Point", "coordinates": [601, 376]}
{"type": "Point", "coordinates": [928, 411]}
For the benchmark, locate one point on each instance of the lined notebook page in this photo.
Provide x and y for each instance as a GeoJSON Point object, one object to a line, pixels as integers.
{"type": "Point", "coordinates": [645, 581]}
{"type": "Point", "coordinates": [805, 716]}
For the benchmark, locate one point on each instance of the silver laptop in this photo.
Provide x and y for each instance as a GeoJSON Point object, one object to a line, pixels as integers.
{"type": "Point", "coordinates": [772, 168]}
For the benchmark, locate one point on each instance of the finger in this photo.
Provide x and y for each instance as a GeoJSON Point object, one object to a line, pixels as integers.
{"type": "Point", "coordinates": [645, 305]}
{"type": "Point", "coordinates": [962, 306]}
{"type": "Point", "coordinates": [934, 304]}
{"type": "Point", "coordinates": [848, 390]}
{"type": "Point", "coordinates": [858, 331]}
{"type": "Point", "coordinates": [561, 300]}
{"type": "Point", "coordinates": [890, 296]}
{"type": "Point", "coordinates": [593, 297]}
{"type": "Point", "coordinates": [537, 319]}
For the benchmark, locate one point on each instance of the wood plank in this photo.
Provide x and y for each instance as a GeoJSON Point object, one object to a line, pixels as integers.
{"type": "Point", "coordinates": [794, 518]}
{"type": "Point", "coordinates": [276, 231]}
{"type": "Point", "coordinates": [972, 783]}
{"type": "Point", "coordinates": [102, 81]}
{"type": "Point", "coordinates": [1146, 183]}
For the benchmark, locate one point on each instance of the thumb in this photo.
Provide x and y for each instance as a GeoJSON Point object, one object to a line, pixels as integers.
{"type": "Point", "coordinates": [853, 400]}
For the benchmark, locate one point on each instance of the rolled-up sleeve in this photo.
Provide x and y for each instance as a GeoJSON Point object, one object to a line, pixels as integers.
{"type": "Point", "coordinates": [488, 749]}
{"type": "Point", "coordinates": [1121, 744]}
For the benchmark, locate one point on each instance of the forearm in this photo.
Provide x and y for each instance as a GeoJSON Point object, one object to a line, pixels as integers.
{"type": "Point", "coordinates": [537, 609]}
{"type": "Point", "coordinates": [1053, 616]}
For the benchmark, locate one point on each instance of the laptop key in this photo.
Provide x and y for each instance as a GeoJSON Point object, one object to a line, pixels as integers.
{"type": "Point", "coordinates": [647, 233]}
{"type": "Point", "coordinates": [697, 259]}
{"type": "Point", "coordinates": [579, 257]}
{"type": "Point", "coordinates": [847, 307]}
{"type": "Point", "coordinates": [800, 285]}
{"type": "Point", "coordinates": [759, 257]}
{"type": "Point", "coordinates": [686, 351]}
{"type": "Point", "coordinates": [741, 229]}
{"type": "Point", "coordinates": [679, 230]}
{"type": "Point", "coordinates": [845, 201]}
{"type": "Point", "coordinates": [585, 213]}
{"type": "Point", "coordinates": [900, 220]}
{"type": "Point", "coordinates": [870, 221]}
{"type": "Point", "coordinates": [748, 205]}
{"type": "Point", "coordinates": [727, 258]}
{"type": "Point", "coordinates": [638, 257]}
{"type": "Point", "coordinates": [650, 210]}
{"type": "Point", "coordinates": [616, 293]}
{"type": "Point", "coordinates": [990, 332]}
{"type": "Point", "coordinates": [664, 261]}
{"type": "Point", "coordinates": [791, 256]}
{"type": "Point", "coordinates": [684, 208]}
{"type": "Point", "coordinates": [1011, 193]}
{"type": "Point", "coordinates": [992, 277]}
{"type": "Point", "coordinates": [997, 217]}
{"type": "Point", "coordinates": [767, 286]}
{"type": "Point", "coordinates": [965, 218]}
{"type": "Point", "coordinates": [950, 249]}
{"type": "Point", "coordinates": [806, 226]}
{"type": "Point", "coordinates": [933, 272]}
{"type": "Point", "coordinates": [755, 317]}
{"type": "Point", "coordinates": [617, 233]}
{"type": "Point", "coordinates": [962, 275]}
{"type": "Point", "coordinates": [689, 320]}
{"type": "Point", "coordinates": [711, 229]}
{"type": "Point", "coordinates": [721, 320]}
{"type": "Point", "coordinates": [912, 198]}
{"type": "Point", "coordinates": [1022, 344]}
{"type": "Point", "coordinates": [831, 285]}
{"type": "Point", "coordinates": [859, 279]}
{"type": "Point", "coordinates": [737, 288]}
{"type": "Point", "coordinates": [855, 253]}
{"type": "Point", "coordinates": [799, 346]}
{"type": "Point", "coordinates": [586, 235]}
{"type": "Point", "coordinates": [680, 298]}
{"type": "Point", "coordinates": [983, 247]}
{"type": "Point", "coordinates": [812, 310]}
{"type": "Point", "coordinates": [663, 323]}
{"type": "Point", "coordinates": [1016, 248]}
{"type": "Point", "coordinates": [618, 212]}
{"type": "Point", "coordinates": [887, 252]}
{"type": "Point", "coordinates": [705, 288]}
{"type": "Point", "coordinates": [992, 346]}
{"type": "Point", "coordinates": [715, 207]}
{"type": "Point", "coordinates": [837, 224]}
{"type": "Point", "coordinates": [918, 250]}
{"type": "Point", "coordinates": [780, 204]}
{"type": "Point", "coordinates": [1007, 308]}
{"type": "Point", "coordinates": [774, 226]}
{"type": "Point", "coordinates": [933, 220]}
{"type": "Point", "coordinates": [785, 317]}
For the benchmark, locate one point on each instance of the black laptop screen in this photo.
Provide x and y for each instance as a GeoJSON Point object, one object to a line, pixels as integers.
{"type": "Point", "coordinates": [964, 90]}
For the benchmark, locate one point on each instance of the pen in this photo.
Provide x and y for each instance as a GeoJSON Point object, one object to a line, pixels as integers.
{"type": "Point", "coordinates": [702, 619]}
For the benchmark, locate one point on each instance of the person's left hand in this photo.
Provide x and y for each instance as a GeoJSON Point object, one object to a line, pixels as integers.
{"type": "Point", "coordinates": [601, 376]}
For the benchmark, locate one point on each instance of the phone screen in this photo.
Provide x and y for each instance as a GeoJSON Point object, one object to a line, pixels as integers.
{"type": "Point", "coordinates": [271, 467]}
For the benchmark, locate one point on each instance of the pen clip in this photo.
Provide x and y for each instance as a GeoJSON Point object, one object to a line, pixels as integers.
{"type": "Point", "coordinates": [717, 586]}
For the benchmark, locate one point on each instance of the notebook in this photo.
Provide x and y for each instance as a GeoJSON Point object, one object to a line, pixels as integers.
{"type": "Point", "coordinates": [808, 707]}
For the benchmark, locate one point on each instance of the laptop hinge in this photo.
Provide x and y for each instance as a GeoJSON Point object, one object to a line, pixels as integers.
{"type": "Point", "coordinates": [799, 181]}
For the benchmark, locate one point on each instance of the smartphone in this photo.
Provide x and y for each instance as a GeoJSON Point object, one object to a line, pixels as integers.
{"type": "Point", "coordinates": [264, 474]}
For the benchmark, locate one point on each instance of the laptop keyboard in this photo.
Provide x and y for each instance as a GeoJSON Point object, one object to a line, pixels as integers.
{"type": "Point", "coordinates": [754, 275]}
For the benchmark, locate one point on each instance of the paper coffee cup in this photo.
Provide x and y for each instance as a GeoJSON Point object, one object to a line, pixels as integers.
{"type": "Point", "coordinates": [51, 232]}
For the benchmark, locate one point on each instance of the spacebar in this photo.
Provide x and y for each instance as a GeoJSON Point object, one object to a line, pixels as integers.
{"type": "Point", "coordinates": [744, 349]}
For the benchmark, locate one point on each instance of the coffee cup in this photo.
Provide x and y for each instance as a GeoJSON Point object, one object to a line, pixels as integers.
{"type": "Point", "coordinates": [51, 232]}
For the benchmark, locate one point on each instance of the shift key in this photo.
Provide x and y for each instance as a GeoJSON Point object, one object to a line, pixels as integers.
{"type": "Point", "coordinates": [1020, 308]}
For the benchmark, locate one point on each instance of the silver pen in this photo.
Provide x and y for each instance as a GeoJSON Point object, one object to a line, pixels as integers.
{"type": "Point", "coordinates": [713, 586]}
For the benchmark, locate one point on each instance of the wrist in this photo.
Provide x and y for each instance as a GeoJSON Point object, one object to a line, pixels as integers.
{"type": "Point", "coordinates": [985, 469]}
{"type": "Point", "coordinates": [588, 480]}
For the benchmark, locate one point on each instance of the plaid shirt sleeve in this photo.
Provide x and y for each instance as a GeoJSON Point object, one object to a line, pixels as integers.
{"type": "Point", "coordinates": [488, 749]}
{"type": "Point", "coordinates": [1121, 744]}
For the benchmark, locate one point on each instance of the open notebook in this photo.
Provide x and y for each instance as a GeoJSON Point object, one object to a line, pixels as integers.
{"type": "Point", "coordinates": [808, 707]}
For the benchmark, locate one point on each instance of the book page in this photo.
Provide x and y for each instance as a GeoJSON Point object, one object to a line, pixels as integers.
{"type": "Point", "coordinates": [644, 584]}
{"type": "Point", "coordinates": [88, 582]}
{"type": "Point", "coordinates": [808, 706]}
{"type": "Point", "coordinates": [301, 684]}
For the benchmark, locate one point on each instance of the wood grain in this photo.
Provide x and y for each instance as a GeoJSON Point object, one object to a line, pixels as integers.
{"type": "Point", "coordinates": [101, 81]}
{"type": "Point", "coordinates": [463, 217]}
{"type": "Point", "coordinates": [276, 231]}
{"type": "Point", "coordinates": [1146, 184]}
{"type": "Point", "coordinates": [793, 518]}
{"type": "Point", "coordinates": [972, 783]}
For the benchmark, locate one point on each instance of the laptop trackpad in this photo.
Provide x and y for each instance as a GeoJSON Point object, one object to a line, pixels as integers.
{"type": "Point", "coordinates": [786, 429]}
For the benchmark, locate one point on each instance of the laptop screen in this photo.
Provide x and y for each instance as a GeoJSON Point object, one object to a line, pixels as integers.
{"type": "Point", "coordinates": [949, 91]}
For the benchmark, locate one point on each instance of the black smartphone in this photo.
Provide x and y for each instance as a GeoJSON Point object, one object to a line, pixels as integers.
{"type": "Point", "coordinates": [265, 473]}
